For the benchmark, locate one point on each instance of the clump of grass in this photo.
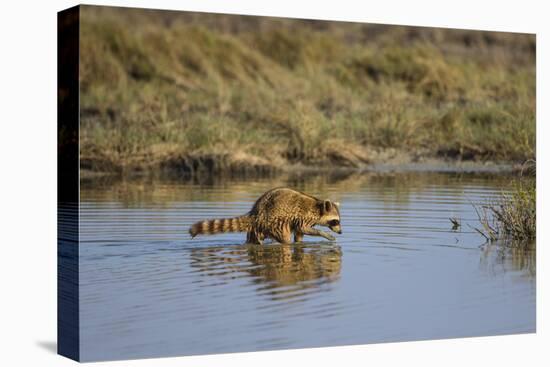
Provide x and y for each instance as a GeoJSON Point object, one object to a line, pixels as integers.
{"type": "Point", "coordinates": [423, 69]}
{"type": "Point", "coordinates": [512, 216]}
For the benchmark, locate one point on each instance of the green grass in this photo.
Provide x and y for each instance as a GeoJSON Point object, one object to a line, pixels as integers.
{"type": "Point", "coordinates": [169, 88]}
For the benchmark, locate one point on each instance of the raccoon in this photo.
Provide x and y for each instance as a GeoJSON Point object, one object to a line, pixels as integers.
{"type": "Point", "coordinates": [277, 214]}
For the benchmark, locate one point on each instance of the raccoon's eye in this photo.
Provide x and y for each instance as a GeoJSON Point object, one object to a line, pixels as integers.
{"type": "Point", "coordinates": [334, 222]}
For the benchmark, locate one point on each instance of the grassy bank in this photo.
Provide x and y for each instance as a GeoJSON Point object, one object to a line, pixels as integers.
{"type": "Point", "coordinates": [210, 92]}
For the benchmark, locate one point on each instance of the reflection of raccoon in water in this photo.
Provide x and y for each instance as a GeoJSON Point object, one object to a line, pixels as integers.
{"type": "Point", "coordinates": [277, 214]}
{"type": "Point", "coordinates": [284, 265]}
{"type": "Point", "coordinates": [297, 265]}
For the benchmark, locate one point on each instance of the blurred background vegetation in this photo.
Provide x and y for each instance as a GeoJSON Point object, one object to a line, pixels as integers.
{"type": "Point", "coordinates": [192, 92]}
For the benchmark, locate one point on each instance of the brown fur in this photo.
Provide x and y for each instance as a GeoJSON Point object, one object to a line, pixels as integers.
{"type": "Point", "coordinates": [277, 214]}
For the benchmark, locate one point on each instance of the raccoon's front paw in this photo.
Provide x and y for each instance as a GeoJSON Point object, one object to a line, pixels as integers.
{"type": "Point", "coordinates": [328, 236]}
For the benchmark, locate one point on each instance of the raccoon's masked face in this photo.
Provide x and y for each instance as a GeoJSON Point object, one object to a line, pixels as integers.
{"type": "Point", "coordinates": [330, 216]}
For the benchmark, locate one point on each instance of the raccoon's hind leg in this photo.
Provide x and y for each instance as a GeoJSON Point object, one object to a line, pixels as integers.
{"type": "Point", "coordinates": [298, 236]}
{"type": "Point", "coordinates": [254, 238]}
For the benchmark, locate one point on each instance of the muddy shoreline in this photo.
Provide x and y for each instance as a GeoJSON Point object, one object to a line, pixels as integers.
{"type": "Point", "coordinates": [239, 165]}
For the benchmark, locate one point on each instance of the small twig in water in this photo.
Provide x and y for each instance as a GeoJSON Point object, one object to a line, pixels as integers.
{"type": "Point", "coordinates": [455, 222]}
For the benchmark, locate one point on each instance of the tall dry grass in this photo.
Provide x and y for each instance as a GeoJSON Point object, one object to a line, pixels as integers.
{"type": "Point", "coordinates": [202, 91]}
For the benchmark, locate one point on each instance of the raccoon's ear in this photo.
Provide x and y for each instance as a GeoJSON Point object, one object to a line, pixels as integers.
{"type": "Point", "coordinates": [337, 204]}
{"type": "Point", "coordinates": [327, 206]}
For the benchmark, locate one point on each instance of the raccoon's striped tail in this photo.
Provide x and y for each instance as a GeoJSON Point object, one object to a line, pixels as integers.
{"type": "Point", "coordinates": [214, 226]}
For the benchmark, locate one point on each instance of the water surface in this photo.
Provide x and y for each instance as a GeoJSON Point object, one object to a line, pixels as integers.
{"type": "Point", "coordinates": [398, 272]}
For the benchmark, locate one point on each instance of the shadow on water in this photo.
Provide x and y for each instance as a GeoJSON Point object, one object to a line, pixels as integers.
{"type": "Point", "coordinates": [300, 266]}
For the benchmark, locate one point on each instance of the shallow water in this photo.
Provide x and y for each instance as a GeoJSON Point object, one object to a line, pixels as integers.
{"type": "Point", "coordinates": [398, 272]}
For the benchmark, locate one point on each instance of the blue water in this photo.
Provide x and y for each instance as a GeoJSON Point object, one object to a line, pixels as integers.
{"type": "Point", "coordinates": [397, 273]}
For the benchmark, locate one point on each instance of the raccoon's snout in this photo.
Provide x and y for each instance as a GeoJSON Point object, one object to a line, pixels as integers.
{"type": "Point", "coordinates": [334, 226]}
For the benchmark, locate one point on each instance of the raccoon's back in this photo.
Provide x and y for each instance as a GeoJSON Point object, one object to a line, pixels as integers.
{"type": "Point", "coordinates": [283, 203]}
